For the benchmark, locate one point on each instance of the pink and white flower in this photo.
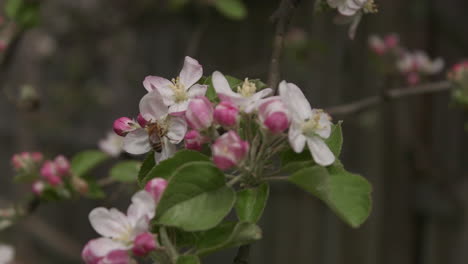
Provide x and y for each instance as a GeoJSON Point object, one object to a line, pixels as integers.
{"type": "Point", "coordinates": [226, 114]}
{"type": "Point", "coordinates": [348, 7]}
{"type": "Point", "coordinates": [177, 93]}
{"type": "Point", "coordinates": [50, 173]}
{"type": "Point", "coordinates": [273, 114]}
{"type": "Point", "coordinates": [124, 125]}
{"type": "Point", "coordinates": [229, 150]}
{"type": "Point", "coordinates": [311, 126]}
{"type": "Point", "coordinates": [118, 230]}
{"type": "Point", "coordinates": [112, 144]}
{"type": "Point", "coordinates": [418, 63]}
{"type": "Point", "coordinates": [161, 129]}
{"type": "Point", "coordinates": [38, 187]}
{"type": "Point", "coordinates": [199, 114]}
{"type": "Point", "coordinates": [246, 97]}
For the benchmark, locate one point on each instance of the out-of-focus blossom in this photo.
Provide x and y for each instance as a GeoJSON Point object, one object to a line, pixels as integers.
{"type": "Point", "coordinates": [381, 46]}
{"type": "Point", "coordinates": [274, 114]}
{"type": "Point", "coordinates": [124, 125]}
{"type": "Point", "coordinates": [7, 254]}
{"type": "Point", "coordinates": [111, 145]}
{"type": "Point", "coordinates": [63, 165]}
{"type": "Point", "coordinates": [50, 173]}
{"type": "Point", "coordinates": [80, 185]}
{"type": "Point", "coordinates": [38, 187]}
{"type": "Point", "coordinates": [226, 114]}
{"type": "Point", "coordinates": [161, 133]}
{"type": "Point", "coordinates": [311, 126]}
{"type": "Point", "coordinates": [229, 150]}
{"type": "Point", "coordinates": [351, 7]}
{"type": "Point", "coordinates": [26, 160]}
{"type": "Point", "coordinates": [177, 93]}
{"type": "Point", "coordinates": [118, 230]}
{"type": "Point", "coordinates": [156, 188]}
{"type": "Point", "coordinates": [199, 114]}
{"type": "Point", "coordinates": [459, 71]}
{"type": "Point", "coordinates": [246, 97]}
{"type": "Point", "coordinates": [418, 63]}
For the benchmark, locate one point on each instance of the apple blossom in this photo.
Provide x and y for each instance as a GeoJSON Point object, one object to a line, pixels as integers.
{"type": "Point", "coordinates": [351, 7]}
{"type": "Point", "coordinates": [229, 150]}
{"type": "Point", "coordinates": [111, 145]}
{"type": "Point", "coordinates": [459, 71]}
{"type": "Point", "coordinates": [161, 132]}
{"type": "Point", "coordinates": [246, 97]}
{"type": "Point", "coordinates": [199, 114]}
{"type": "Point", "coordinates": [26, 160]}
{"type": "Point", "coordinates": [63, 165]}
{"type": "Point", "coordinates": [124, 125]}
{"type": "Point", "coordinates": [144, 243]}
{"type": "Point", "coordinates": [141, 121]}
{"type": "Point", "coordinates": [156, 188]}
{"type": "Point", "coordinates": [7, 254]}
{"type": "Point", "coordinates": [308, 125]}
{"type": "Point", "coordinates": [417, 63]}
{"type": "Point", "coordinates": [177, 93]}
{"type": "Point", "coordinates": [119, 231]}
{"type": "Point", "coordinates": [50, 173]}
{"type": "Point", "coordinates": [38, 187]}
{"type": "Point", "coordinates": [226, 114]}
{"type": "Point", "coordinates": [274, 114]}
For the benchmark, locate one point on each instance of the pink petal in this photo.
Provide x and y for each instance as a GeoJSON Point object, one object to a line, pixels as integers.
{"type": "Point", "coordinates": [191, 72]}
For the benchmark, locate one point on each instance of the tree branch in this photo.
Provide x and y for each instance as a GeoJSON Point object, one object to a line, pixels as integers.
{"type": "Point", "coordinates": [361, 105]}
{"type": "Point", "coordinates": [282, 16]}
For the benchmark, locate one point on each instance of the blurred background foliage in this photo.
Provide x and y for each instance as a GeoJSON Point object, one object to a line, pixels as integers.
{"type": "Point", "coordinates": [85, 62]}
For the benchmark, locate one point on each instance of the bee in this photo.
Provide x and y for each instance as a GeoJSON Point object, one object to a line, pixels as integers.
{"type": "Point", "coordinates": [155, 135]}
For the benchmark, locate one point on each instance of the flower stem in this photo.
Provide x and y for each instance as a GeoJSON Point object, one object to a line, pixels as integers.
{"type": "Point", "coordinates": [166, 241]}
{"type": "Point", "coordinates": [234, 180]}
{"type": "Point", "coordinates": [276, 178]}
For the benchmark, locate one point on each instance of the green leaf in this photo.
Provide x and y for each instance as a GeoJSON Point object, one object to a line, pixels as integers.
{"type": "Point", "coordinates": [94, 190]}
{"type": "Point", "coordinates": [210, 91]}
{"type": "Point", "coordinates": [146, 167]}
{"type": "Point", "coordinates": [24, 13]}
{"type": "Point", "coordinates": [188, 259]}
{"type": "Point", "coordinates": [196, 197]}
{"type": "Point", "coordinates": [227, 235]}
{"type": "Point", "coordinates": [251, 203]}
{"type": "Point", "coordinates": [125, 171]}
{"type": "Point", "coordinates": [347, 194]}
{"type": "Point", "coordinates": [233, 9]}
{"type": "Point", "coordinates": [335, 141]}
{"type": "Point", "coordinates": [166, 167]}
{"type": "Point", "coordinates": [85, 161]}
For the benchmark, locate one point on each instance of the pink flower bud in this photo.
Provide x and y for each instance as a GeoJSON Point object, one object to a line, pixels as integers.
{"type": "Point", "coordinates": [194, 140]}
{"type": "Point", "coordinates": [391, 41]}
{"type": "Point", "coordinates": [156, 188]}
{"type": "Point", "coordinates": [17, 162]}
{"type": "Point", "coordinates": [226, 114]}
{"type": "Point", "coordinates": [141, 120]}
{"type": "Point", "coordinates": [273, 114]}
{"type": "Point", "coordinates": [143, 244]}
{"type": "Point", "coordinates": [101, 251]}
{"type": "Point", "coordinates": [49, 172]}
{"type": "Point", "coordinates": [199, 114]}
{"type": "Point", "coordinates": [229, 150]}
{"type": "Point", "coordinates": [377, 45]}
{"type": "Point", "coordinates": [118, 256]}
{"type": "Point", "coordinates": [38, 187]}
{"type": "Point", "coordinates": [124, 125]}
{"type": "Point", "coordinates": [62, 165]}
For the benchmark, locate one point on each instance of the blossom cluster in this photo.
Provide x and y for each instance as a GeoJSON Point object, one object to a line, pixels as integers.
{"type": "Point", "coordinates": [46, 174]}
{"type": "Point", "coordinates": [458, 75]}
{"type": "Point", "coordinates": [125, 236]}
{"type": "Point", "coordinates": [179, 110]}
{"type": "Point", "coordinates": [412, 65]}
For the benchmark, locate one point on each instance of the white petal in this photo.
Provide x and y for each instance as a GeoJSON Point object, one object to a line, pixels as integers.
{"type": "Point", "coordinates": [137, 142]}
{"type": "Point", "coordinates": [168, 150]}
{"type": "Point", "coordinates": [252, 102]}
{"type": "Point", "coordinates": [191, 72]}
{"type": "Point", "coordinates": [197, 90]}
{"type": "Point", "coordinates": [320, 151]}
{"type": "Point", "coordinates": [295, 100]}
{"type": "Point", "coordinates": [177, 129]}
{"type": "Point", "coordinates": [296, 139]}
{"type": "Point", "coordinates": [100, 247]}
{"type": "Point", "coordinates": [108, 223]}
{"type": "Point", "coordinates": [7, 254]}
{"type": "Point", "coordinates": [143, 207]}
{"type": "Point", "coordinates": [221, 85]}
{"type": "Point", "coordinates": [179, 108]}
{"type": "Point", "coordinates": [347, 11]}
{"type": "Point", "coordinates": [155, 82]}
{"type": "Point", "coordinates": [152, 107]}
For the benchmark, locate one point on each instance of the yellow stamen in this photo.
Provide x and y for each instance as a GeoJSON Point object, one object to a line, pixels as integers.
{"type": "Point", "coordinates": [180, 94]}
{"type": "Point", "coordinates": [248, 88]}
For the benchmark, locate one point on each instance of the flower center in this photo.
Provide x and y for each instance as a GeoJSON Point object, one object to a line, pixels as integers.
{"type": "Point", "coordinates": [247, 89]}
{"type": "Point", "coordinates": [180, 94]}
{"type": "Point", "coordinates": [311, 125]}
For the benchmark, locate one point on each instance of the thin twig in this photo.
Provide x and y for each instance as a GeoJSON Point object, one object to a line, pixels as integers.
{"type": "Point", "coordinates": [390, 95]}
{"type": "Point", "coordinates": [282, 16]}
